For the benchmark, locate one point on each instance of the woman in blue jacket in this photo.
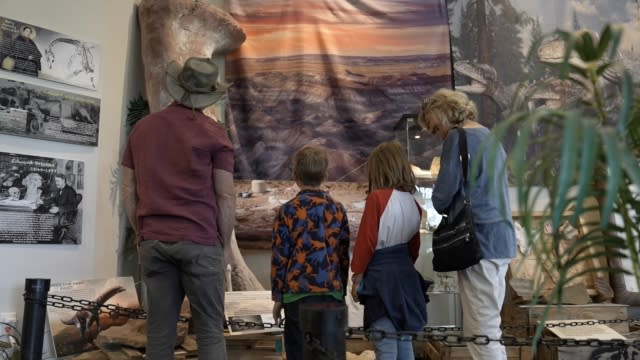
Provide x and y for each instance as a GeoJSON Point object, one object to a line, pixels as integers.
{"type": "Point", "coordinates": [482, 286]}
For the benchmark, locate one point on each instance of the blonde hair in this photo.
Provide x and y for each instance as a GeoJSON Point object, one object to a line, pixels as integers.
{"type": "Point", "coordinates": [388, 167]}
{"type": "Point", "coordinates": [310, 165]}
{"type": "Point", "coordinates": [450, 107]}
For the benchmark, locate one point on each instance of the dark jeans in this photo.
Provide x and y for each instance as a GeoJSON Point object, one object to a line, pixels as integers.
{"type": "Point", "coordinates": [172, 270]}
{"type": "Point", "coordinates": [293, 337]}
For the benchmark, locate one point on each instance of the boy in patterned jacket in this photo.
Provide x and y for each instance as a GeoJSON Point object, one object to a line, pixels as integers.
{"type": "Point", "coordinates": [310, 248]}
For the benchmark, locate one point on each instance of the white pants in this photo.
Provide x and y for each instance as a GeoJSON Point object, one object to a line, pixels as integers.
{"type": "Point", "coordinates": [482, 289]}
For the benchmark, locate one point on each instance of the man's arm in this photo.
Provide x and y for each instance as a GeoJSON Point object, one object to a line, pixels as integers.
{"type": "Point", "coordinates": [226, 200]}
{"type": "Point", "coordinates": [129, 196]}
{"type": "Point", "coordinates": [67, 201]}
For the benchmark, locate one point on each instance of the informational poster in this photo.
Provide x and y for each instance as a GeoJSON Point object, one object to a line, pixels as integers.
{"type": "Point", "coordinates": [45, 54]}
{"type": "Point", "coordinates": [74, 330]}
{"type": "Point", "coordinates": [44, 113]}
{"type": "Point", "coordinates": [40, 200]}
{"type": "Point", "coordinates": [585, 329]}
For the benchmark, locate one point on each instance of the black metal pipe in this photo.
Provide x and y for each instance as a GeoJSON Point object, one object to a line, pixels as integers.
{"type": "Point", "coordinates": [35, 310]}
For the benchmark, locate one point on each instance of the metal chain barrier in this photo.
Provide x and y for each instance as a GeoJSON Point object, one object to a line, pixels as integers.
{"type": "Point", "coordinates": [253, 325]}
{"type": "Point", "coordinates": [67, 302]}
{"type": "Point", "coordinates": [428, 333]}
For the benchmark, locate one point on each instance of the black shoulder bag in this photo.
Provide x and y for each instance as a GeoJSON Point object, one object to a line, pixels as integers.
{"type": "Point", "coordinates": [455, 245]}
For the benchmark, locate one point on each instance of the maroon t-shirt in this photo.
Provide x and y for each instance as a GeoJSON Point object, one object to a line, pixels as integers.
{"type": "Point", "coordinates": [173, 153]}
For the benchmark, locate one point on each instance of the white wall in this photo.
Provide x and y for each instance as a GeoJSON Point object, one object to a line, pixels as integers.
{"type": "Point", "coordinates": [111, 24]}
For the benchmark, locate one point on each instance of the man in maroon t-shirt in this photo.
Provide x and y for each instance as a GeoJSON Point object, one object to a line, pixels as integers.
{"type": "Point", "coordinates": [179, 197]}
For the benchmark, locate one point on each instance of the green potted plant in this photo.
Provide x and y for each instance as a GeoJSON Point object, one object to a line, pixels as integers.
{"type": "Point", "coordinates": [587, 148]}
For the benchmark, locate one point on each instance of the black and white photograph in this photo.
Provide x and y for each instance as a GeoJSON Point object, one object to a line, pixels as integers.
{"type": "Point", "coordinates": [43, 113]}
{"type": "Point", "coordinates": [40, 200]}
{"type": "Point", "coordinates": [46, 54]}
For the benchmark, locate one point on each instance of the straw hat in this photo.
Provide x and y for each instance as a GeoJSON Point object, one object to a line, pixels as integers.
{"type": "Point", "coordinates": [195, 84]}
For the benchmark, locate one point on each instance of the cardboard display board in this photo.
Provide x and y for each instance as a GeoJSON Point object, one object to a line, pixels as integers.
{"type": "Point", "coordinates": [584, 330]}
{"type": "Point", "coordinates": [75, 331]}
{"type": "Point", "coordinates": [250, 307]}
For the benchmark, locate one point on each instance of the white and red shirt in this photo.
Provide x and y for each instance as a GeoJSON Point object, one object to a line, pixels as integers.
{"type": "Point", "coordinates": [391, 217]}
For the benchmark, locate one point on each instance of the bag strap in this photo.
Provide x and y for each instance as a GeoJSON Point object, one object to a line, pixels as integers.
{"type": "Point", "coordinates": [464, 155]}
{"type": "Point", "coordinates": [464, 158]}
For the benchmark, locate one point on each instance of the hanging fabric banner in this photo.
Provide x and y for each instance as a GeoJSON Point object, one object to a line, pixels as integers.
{"type": "Point", "coordinates": [338, 74]}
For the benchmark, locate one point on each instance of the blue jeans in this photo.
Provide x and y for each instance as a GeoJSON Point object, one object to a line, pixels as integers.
{"type": "Point", "coordinates": [388, 348]}
{"type": "Point", "coordinates": [171, 270]}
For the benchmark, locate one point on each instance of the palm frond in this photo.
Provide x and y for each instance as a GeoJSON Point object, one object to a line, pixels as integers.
{"type": "Point", "coordinates": [137, 109]}
{"type": "Point", "coordinates": [578, 164]}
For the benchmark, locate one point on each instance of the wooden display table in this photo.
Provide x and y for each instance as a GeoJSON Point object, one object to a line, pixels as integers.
{"type": "Point", "coordinates": [255, 346]}
{"type": "Point", "coordinates": [439, 350]}
{"type": "Point", "coordinates": [598, 331]}
{"type": "Point", "coordinates": [514, 315]}
{"type": "Point", "coordinates": [271, 346]}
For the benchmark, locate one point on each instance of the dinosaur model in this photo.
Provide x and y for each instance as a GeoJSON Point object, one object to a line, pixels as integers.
{"type": "Point", "coordinates": [173, 30]}
{"type": "Point", "coordinates": [483, 80]}
{"type": "Point", "coordinates": [164, 27]}
{"type": "Point", "coordinates": [89, 315]}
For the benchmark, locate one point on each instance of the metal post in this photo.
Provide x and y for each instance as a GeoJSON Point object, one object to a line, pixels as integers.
{"type": "Point", "coordinates": [35, 310]}
{"type": "Point", "coordinates": [323, 328]}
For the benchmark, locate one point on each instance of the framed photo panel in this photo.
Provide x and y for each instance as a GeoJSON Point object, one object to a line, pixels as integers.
{"type": "Point", "coordinates": [44, 113]}
{"type": "Point", "coordinates": [42, 53]}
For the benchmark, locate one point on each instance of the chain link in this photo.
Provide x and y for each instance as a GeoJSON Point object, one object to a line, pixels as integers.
{"type": "Point", "coordinates": [447, 334]}
{"type": "Point", "coordinates": [67, 302]}
{"type": "Point", "coordinates": [478, 339]}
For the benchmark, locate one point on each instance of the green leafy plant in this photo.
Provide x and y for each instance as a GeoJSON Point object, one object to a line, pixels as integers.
{"type": "Point", "coordinates": [138, 108]}
{"type": "Point", "coordinates": [587, 148]}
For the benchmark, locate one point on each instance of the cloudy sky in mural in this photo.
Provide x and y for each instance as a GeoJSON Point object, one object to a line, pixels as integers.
{"type": "Point", "coordinates": [355, 27]}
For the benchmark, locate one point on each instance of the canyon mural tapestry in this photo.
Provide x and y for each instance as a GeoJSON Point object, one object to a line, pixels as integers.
{"type": "Point", "coordinates": [339, 74]}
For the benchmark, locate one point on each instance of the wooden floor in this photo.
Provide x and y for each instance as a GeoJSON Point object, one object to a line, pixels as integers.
{"type": "Point", "coordinates": [246, 355]}
{"type": "Point", "coordinates": [252, 354]}
{"type": "Point", "coordinates": [254, 347]}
